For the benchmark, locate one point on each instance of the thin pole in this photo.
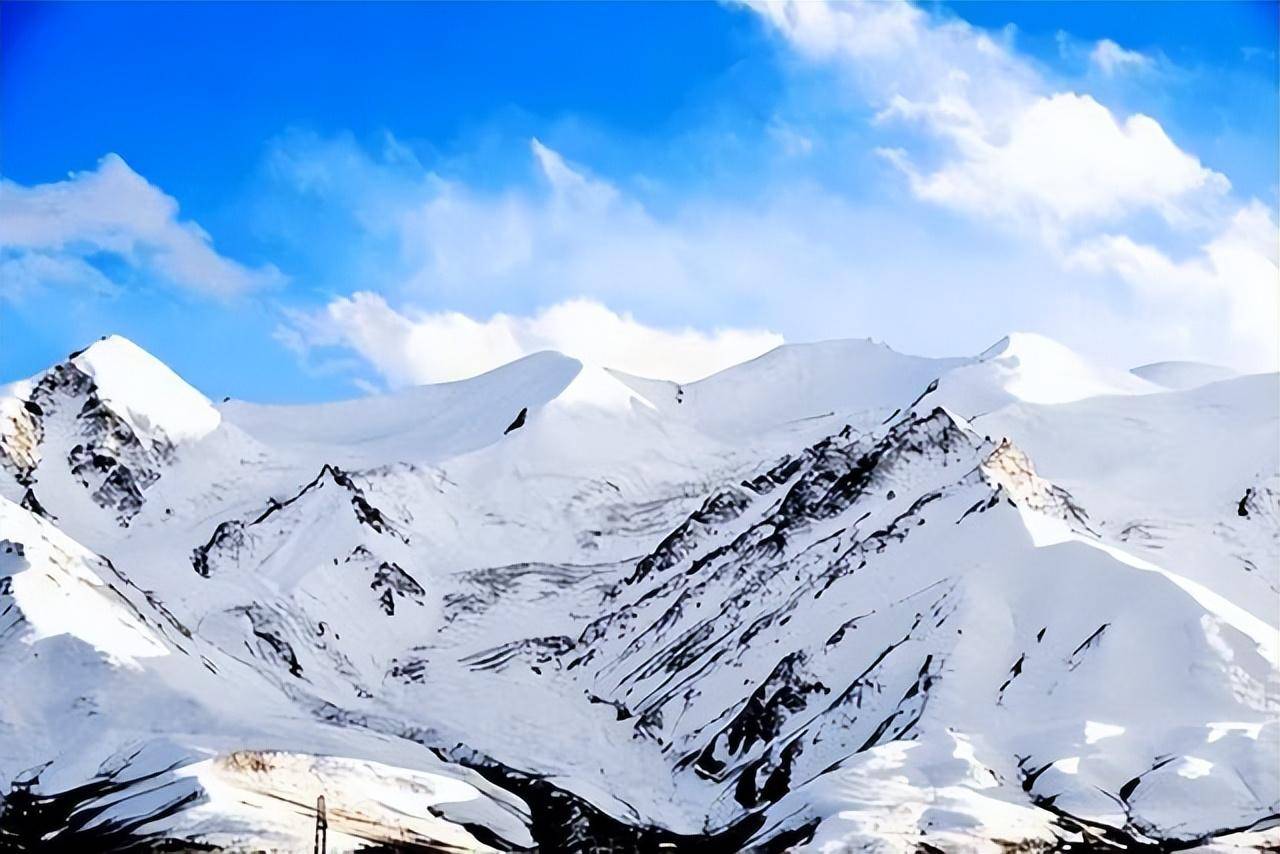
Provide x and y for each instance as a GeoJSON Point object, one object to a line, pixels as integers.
{"type": "Point", "coordinates": [322, 827]}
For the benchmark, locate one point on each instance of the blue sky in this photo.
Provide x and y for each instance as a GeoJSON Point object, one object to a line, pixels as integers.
{"type": "Point", "coordinates": [301, 194]}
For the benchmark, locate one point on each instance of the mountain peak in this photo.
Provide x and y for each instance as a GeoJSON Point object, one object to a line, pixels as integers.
{"type": "Point", "coordinates": [144, 391]}
{"type": "Point", "coordinates": [1027, 345]}
{"type": "Point", "coordinates": [600, 388]}
{"type": "Point", "coordinates": [1037, 369]}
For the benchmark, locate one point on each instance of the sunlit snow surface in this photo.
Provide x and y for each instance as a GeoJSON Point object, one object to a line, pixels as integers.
{"type": "Point", "coordinates": [835, 597]}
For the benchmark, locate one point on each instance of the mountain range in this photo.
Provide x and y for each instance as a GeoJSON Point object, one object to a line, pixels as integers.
{"type": "Point", "coordinates": [836, 598]}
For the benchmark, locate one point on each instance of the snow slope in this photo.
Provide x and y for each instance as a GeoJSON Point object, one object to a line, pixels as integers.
{"type": "Point", "coordinates": [1187, 479]}
{"type": "Point", "coordinates": [836, 597]}
{"type": "Point", "coordinates": [1180, 376]}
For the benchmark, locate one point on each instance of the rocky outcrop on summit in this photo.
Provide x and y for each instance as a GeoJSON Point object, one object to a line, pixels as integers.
{"type": "Point", "coordinates": [108, 458]}
{"type": "Point", "coordinates": [113, 440]}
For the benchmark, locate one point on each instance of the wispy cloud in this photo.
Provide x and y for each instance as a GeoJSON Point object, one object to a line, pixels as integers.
{"type": "Point", "coordinates": [1110, 58]}
{"type": "Point", "coordinates": [49, 233]}
{"type": "Point", "coordinates": [568, 233]}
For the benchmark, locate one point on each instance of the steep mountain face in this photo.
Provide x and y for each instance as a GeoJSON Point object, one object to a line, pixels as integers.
{"type": "Point", "coordinates": [108, 418]}
{"type": "Point", "coordinates": [835, 598]}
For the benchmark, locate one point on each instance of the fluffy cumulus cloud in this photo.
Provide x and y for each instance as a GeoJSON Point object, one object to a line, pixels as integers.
{"type": "Point", "coordinates": [1065, 160]}
{"type": "Point", "coordinates": [1013, 148]}
{"type": "Point", "coordinates": [50, 234]}
{"type": "Point", "coordinates": [903, 60]}
{"type": "Point", "coordinates": [1064, 168]}
{"type": "Point", "coordinates": [411, 347]}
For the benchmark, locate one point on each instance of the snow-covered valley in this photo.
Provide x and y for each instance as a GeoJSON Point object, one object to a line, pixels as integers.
{"type": "Point", "coordinates": [834, 598]}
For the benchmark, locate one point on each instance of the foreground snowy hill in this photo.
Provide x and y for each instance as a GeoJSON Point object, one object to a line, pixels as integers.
{"type": "Point", "coordinates": [835, 598]}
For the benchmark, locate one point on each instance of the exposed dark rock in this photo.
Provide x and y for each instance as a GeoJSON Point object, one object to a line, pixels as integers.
{"type": "Point", "coordinates": [228, 539]}
{"type": "Point", "coordinates": [78, 820]}
{"type": "Point", "coordinates": [564, 823]}
{"type": "Point", "coordinates": [271, 646]}
{"type": "Point", "coordinates": [394, 581]}
{"type": "Point", "coordinates": [30, 502]}
{"type": "Point", "coordinates": [1242, 509]}
{"type": "Point", "coordinates": [518, 422]}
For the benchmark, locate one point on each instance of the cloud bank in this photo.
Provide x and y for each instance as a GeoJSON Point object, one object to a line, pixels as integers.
{"type": "Point", "coordinates": [414, 347]}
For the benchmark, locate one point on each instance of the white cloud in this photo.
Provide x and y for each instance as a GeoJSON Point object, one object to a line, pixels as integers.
{"type": "Point", "coordinates": [800, 258]}
{"type": "Point", "coordinates": [903, 60]}
{"type": "Point", "coordinates": [1109, 57]}
{"type": "Point", "coordinates": [413, 347]}
{"type": "Point", "coordinates": [571, 187]}
{"type": "Point", "coordinates": [576, 234]}
{"type": "Point", "coordinates": [1059, 166]}
{"type": "Point", "coordinates": [804, 260]}
{"type": "Point", "coordinates": [26, 273]}
{"type": "Point", "coordinates": [1064, 160]}
{"type": "Point", "coordinates": [48, 230]}
{"type": "Point", "coordinates": [1223, 300]}
{"type": "Point", "coordinates": [1015, 148]}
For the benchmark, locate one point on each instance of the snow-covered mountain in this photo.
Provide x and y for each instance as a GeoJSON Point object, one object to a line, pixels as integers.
{"type": "Point", "coordinates": [835, 598]}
